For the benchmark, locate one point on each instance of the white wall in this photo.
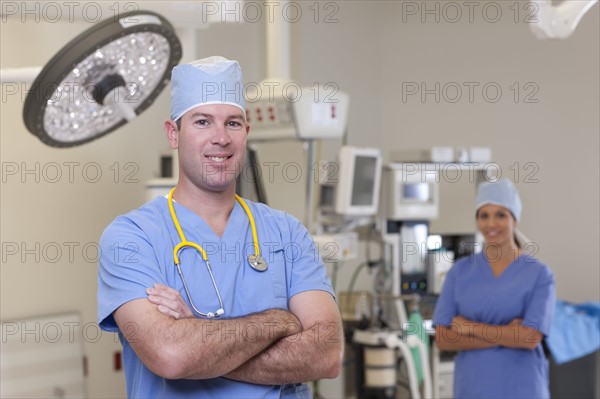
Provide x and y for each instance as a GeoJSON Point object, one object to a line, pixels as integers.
{"type": "Point", "coordinates": [550, 146]}
{"type": "Point", "coordinates": [369, 51]}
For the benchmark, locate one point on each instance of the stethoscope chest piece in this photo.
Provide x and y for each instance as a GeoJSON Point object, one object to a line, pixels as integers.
{"type": "Point", "coordinates": [257, 263]}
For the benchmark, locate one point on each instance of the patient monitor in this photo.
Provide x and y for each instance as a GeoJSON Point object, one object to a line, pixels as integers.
{"type": "Point", "coordinates": [354, 192]}
{"type": "Point", "coordinates": [411, 191]}
{"type": "Point", "coordinates": [359, 180]}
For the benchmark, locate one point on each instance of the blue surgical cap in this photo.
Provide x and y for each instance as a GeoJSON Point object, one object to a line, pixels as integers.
{"type": "Point", "coordinates": [501, 193]}
{"type": "Point", "coordinates": [212, 80]}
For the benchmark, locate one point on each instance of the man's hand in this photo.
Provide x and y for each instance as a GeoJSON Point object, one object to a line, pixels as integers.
{"type": "Point", "coordinates": [169, 301]}
{"type": "Point", "coordinates": [313, 353]}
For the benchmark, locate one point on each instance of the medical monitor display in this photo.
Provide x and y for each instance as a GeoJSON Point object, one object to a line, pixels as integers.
{"type": "Point", "coordinates": [417, 192]}
{"type": "Point", "coordinates": [411, 192]}
{"type": "Point", "coordinates": [363, 183]}
{"type": "Point", "coordinates": [357, 191]}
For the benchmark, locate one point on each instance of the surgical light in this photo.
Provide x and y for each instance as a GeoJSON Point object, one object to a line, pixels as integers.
{"type": "Point", "coordinates": [102, 79]}
{"type": "Point", "coordinates": [558, 21]}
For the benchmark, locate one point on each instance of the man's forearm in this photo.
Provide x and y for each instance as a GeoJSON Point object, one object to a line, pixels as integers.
{"type": "Point", "coordinates": [230, 343]}
{"type": "Point", "coordinates": [200, 348]}
{"type": "Point", "coordinates": [312, 354]}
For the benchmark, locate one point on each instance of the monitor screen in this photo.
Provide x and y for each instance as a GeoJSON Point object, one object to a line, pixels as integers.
{"type": "Point", "coordinates": [363, 183]}
{"type": "Point", "coordinates": [357, 190]}
{"type": "Point", "coordinates": [418, 192]}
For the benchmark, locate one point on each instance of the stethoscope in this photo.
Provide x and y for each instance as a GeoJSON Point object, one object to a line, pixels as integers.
{"type": "Point", "coordinates": [255, 260]}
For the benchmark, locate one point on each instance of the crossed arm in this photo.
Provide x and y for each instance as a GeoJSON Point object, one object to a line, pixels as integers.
{"type": "Point", "coordinates": [464, 334]}
{"type": "Point", "coordinates": [270, 347]}
{"type": "Point", "coordinates": [314, 352]}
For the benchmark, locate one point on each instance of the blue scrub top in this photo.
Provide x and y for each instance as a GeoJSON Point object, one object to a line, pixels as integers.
{"type": "Point", "coordinates": [137, 252]}
{"type": "Point", "coordinates": [524, 290]}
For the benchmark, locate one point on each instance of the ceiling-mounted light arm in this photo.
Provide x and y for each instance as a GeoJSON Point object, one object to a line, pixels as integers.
{"type": "Point", "coordinates": [279, 59]}
{"type": "Point", "coordinates": [560, 21]}
{"type": "Point", "coordinates": [19, 75]}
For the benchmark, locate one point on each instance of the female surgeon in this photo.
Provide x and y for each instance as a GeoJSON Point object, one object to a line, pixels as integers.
{"type": "Point", "coordinates": [496, 307]}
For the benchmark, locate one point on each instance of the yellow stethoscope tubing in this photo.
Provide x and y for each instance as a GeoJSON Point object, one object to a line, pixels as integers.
{"type": "Point", "coordinates": [252, 225]}
{"type": "Point", "coordinates": [185, 243]}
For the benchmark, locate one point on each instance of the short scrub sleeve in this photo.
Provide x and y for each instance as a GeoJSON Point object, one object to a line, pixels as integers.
{"type": "Point", "coordinates": [308, 271]}
{"type": "Point", "coordinates": [128, 265]}
{"type": "Point", "coordinates": [445, 307]}
{"type": "Point", "coordinates": [542, 302]}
